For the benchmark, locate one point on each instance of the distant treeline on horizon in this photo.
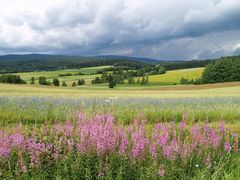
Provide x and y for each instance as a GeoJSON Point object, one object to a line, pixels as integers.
{"type": "Point", "coordinates": [30, 63]}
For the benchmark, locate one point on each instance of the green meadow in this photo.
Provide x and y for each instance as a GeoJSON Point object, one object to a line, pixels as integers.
{"type": "Point", "coordinates": [34, 104]}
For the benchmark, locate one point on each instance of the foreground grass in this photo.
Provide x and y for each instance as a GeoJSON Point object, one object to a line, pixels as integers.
{"type": "Point", "coordinates": [97, 147]}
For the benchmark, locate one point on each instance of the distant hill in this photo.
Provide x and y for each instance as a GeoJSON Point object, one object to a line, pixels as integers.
{"type": "Point", "coordinates": [40, 62]}
{"type": "Point", "coordinates": [45, 56]}
{"type": "Point", "coordinates": [144, 60]}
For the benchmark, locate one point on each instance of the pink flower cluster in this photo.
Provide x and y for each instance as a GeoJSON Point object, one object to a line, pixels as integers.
{"type": "Point", "coordinates": [103, 136]}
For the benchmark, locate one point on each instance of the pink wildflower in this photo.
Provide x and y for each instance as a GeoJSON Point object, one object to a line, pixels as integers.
{"type": "Point", "coordinates": [183, 122]}
{"type": "Point", "coordinates": [227, 146]}
{"type": "Point", "coordinates": [161, 171]}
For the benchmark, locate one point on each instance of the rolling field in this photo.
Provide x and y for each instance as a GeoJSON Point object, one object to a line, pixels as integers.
{"type": "Point", "coordinates": [89, 74]}
{"type": "Point", "coordinates": [175, 75]}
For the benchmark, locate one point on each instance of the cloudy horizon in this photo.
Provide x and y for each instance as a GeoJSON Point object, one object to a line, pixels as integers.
{"type": "Point", "coordinates": [166, 29]}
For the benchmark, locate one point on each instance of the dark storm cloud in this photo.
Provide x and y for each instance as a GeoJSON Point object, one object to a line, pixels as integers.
{"type": "Point", "coordinates": [149, 28]}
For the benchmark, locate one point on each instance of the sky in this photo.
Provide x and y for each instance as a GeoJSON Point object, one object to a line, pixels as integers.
{"type": "Point", "coordinates": [159, 29]}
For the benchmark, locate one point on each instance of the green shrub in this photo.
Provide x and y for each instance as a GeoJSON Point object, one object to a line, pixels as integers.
{"type": "Point", "coordinates": [81, 82]}
{"type": "Point", "coordinates": [112, 84]}
{"type": "Point", "coordinates": [74, 84]}
{"type": "Point", "coordinates": [64, 84]}
{"type": "Point", "coordinates": [43, 81]}
{"type": "Point", "coordinates": [55, 82]}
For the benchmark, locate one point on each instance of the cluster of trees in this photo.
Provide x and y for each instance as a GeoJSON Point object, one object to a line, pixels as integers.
{"type": "Point", "coordinates": [79, 83]}
{"type": "Point", "coordinates": [119, 76]}
{"type": "Point", "coordinates": [12, 79]}
{"type": "Point", "coordinates": [107, 78]}
{"type": "Point", "coordinates": [225, 70]}
{"type": "Point", "coordinates": [150, 70]}
{"type": "Point", "coordinates": [43, 81]}
{"type": "Point", "coordinates": [118, 79]}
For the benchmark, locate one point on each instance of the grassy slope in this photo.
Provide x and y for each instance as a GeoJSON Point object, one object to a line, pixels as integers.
{"type": "Point", "coordinates": [175, 75]}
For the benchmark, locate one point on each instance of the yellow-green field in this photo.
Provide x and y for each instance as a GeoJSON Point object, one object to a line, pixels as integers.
{"type": "Point", "coordinates": [175, 75]}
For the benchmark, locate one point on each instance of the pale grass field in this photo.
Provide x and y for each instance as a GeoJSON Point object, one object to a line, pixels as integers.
{"type": "Point", "coordinates": [122, 91]}
{"type": "Point", "coordinates": [35, 104]}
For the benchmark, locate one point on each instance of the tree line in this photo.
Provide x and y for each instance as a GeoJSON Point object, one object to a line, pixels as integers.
{"type": "Point", "coordinates": [50, 63]}
{"type": "Point", "coordinates": [227, 69]}
{"type": "Point", "coordinates": [42, 80]}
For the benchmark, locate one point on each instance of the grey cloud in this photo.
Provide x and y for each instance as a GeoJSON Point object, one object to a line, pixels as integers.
{"type": "Point", "coordinates": [148, 28]}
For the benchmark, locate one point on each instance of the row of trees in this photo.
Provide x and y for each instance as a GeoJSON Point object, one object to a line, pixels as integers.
{"type": "Point", "coordinates": [42, 80]}
{"type": "Point", "coordinates": [150, 70]}
{"type": "Point", "coordinates": [120, 76]}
